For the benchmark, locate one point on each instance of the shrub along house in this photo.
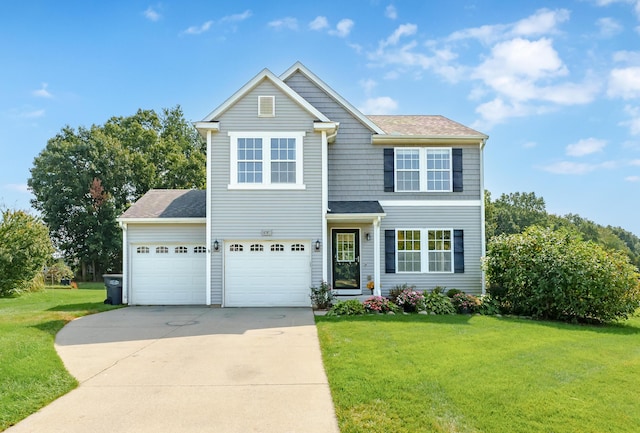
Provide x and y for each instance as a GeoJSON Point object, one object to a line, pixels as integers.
{"type": "Point", "coordinates": [303, 188]}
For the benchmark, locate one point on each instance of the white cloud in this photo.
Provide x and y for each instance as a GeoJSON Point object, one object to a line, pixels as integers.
{"type": "Point", "coordinates": [288, 23]}
{"type": "Point", "coordinates": [368, 85]}
{"type": "Point", "coordinates": [380, 105]}
{"type": "Point", "coordinates": [498, 110]}
{"type": "Point", "coordinates": [632, 57]}
{"type": "Point", "coordinates": [634, 119]}
{"type": "Point", "coordinates": [577, 168]}
{"type": "Point", "coordinates": [542, 22]}
{"type": "Point", "coordinates": [196, 30]}
{"type": "Point", "coordinates": [632, 178]}
{"type": "Point", "coordinates": [624, 83]}
{"type": "Point", "coordinates": [343, 28]}
{"type": "Point", "coordinates": [530, 145]}
{"type": "Point", "coordinates": [402, 30]}
{"type": "Point", "coordinates": [151, 14]}
{"type": "Point", "coordinates": [635, 162]}
{"type": "Point", "coordinates": [608, 27]}
{"type": "Point", "coordinates": [34, 114]}
{"type": "Point", "coordinates": [234, 18]}
{"type": "Point", "coordinates": [586, 146]}
{"type": "Point", "coordinates": [319, 23]}
{"type": "Point", "coordinates": [19, 187]}
{"type": "Point", "coordinates": [391, 12]}
{"type": "Point", "coordinates": [42, 92]}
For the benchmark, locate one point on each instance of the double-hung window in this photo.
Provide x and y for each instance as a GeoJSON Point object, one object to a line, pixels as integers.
{"type": "Point", "coordinates": [423, 169]}
{"type": "Point", "coordinates": [434, 255]}
{"type": "Point", "coordinates": [266, 160]}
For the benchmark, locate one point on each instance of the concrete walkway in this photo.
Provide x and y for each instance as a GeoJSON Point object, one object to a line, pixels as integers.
{"type": "Point", "coordinates": [191, 369]}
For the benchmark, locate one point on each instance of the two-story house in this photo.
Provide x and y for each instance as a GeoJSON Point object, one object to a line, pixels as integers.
{"type": "Point", "coordinates": [303, 188]}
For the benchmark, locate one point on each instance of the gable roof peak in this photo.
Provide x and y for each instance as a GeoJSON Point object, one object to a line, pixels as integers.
{"type": "Point", "coordinates": [265, 74]}
{"type": "Point", "coordinates": [299, 67]}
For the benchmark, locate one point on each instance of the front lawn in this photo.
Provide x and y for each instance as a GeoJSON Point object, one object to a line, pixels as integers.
{"type": "Point", "coordinates": [31, 373]}
{"type": "Point", "coordinates": [463, 373]}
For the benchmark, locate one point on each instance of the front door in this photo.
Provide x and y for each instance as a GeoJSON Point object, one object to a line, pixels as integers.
{"type": "Point", "coordinates": [346, 259]}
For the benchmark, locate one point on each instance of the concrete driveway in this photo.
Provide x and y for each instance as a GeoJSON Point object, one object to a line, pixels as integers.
{"type": "Point", "coordinates": [191, 369]}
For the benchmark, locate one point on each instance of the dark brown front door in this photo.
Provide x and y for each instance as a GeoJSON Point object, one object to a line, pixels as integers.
{"type": "Point", "coordinates": [346, 259]}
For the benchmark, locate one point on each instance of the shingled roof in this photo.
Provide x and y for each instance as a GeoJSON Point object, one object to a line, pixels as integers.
{"type": "Point", "coordinates": [423, 126]}
{"type": "Point", "coordinates": [169, 203]}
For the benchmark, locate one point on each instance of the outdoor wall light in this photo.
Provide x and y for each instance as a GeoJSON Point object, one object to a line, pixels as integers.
{"type": "Point", "coordinates": [318, 243]}
{"type": "Point", "coordinates": [216, 245]}
{"type": "Point", "coordinates": [368, 236]}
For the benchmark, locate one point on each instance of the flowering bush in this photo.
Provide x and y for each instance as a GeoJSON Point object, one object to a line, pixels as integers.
{"type": "Point", "coordinates": [379, 304]}
{"type": "Point", "coordinates": [465, 303]}
{"type": "Point", "coordinates": [409, 300]}
{"type": "Point", "coordinates": [322, 297]}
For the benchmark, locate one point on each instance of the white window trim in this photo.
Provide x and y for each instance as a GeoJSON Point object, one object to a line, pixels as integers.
{"type": "Point", "coordinates": [424, 250]}
{"type": "Point", "coordinates": [266, 159]}
{"type": "Point", "coordinates": [422, 158]}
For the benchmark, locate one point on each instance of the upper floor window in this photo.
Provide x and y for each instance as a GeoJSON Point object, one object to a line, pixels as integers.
{"type": "Point", "coordinates": [266, 160]}
{"type": "Point", "coordinates": [421, 169]}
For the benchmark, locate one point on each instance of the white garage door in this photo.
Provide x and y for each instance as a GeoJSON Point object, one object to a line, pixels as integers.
{"type": "Point", "coordinates": [168, 274]}
{"type": "Point", "coordinates": [267, 274]}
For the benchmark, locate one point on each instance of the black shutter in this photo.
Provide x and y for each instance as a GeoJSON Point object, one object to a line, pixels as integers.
{"type": "Point", "coordinates": [390, 251]}
{"type": "Point", "coordinates": [456, 164]}
{"type": "Point", "coordinates": [458, 251]}
{"type": "Point", "coordinates": [388, 170]}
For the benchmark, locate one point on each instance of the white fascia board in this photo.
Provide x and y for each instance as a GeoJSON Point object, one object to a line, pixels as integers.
{"type": "Point", "coordinates": [355, 216]}
{"type": "Point", "coordinates": [448, 140]}
{"type": "Point", "coordinates": [430, 203]}
{"type": "Point", "coordinates": [325, 126]}
{"type": "Point", "coordinates": [162, 220]}
{"type": "Point", "coordinates": [204, 127]}
{"type": "Point", "coordinates": [255, 81]}
{"type": "Point", "coordinates": [339, 99]}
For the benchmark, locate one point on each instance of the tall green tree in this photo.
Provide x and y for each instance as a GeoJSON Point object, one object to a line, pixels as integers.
{"type": "Point", "coordinates": [25, 248]}
{"type": "Point", "coordinates": [86, 177]}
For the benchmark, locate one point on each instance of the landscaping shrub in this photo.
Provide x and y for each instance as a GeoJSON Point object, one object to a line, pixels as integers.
{"type": "Point", "coordinates": [488, 306]}
{"type": "Point", "coordinates": [555, 275]}
{"type": "Point", "coordinates": [465, 304]}
{"type": "Point", "coordinates": [352, 307]}
{"type": "Point", "coordinates": [452, 292]}
{"type": "Point", "coordinates": [379, 304]}
{"type": "Point", "coordinates": [393, 293]}
{"type": "Point", "coordinates": [436, 302]}
{"type": "Point", "coordinates": [409, 300]}
{"type": "Point", "coordinates": [322, 297]}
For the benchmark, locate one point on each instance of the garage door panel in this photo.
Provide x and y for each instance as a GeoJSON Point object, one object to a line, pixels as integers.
{"type": "Point", "coordinates": [268, 277]}
{"type": "Point", "coordinates": [168, 278]}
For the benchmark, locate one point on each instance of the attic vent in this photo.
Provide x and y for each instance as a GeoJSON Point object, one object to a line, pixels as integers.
{"type": "Point", "coordinates": [266, 106]}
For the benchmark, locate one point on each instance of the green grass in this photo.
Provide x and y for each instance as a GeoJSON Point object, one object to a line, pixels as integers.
{"type": "Point", "coordinates": [31, 373]}
{"type": "Point", "coordinates": [481, 374]}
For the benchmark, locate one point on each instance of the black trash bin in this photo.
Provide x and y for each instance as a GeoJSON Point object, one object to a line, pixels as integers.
{"type": "Point", "coordinates": [113, 283]}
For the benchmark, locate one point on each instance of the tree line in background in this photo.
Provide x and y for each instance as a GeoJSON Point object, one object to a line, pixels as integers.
{"type": "Point", "coordinates": [86, 177]}
{"type": "Point", "coordinates": [515, 212]}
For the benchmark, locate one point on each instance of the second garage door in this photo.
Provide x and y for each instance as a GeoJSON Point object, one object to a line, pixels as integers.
{"type": "Point", "coordinates": [168, 275]}
{"type": "Point", "coordinates": [267, 274]}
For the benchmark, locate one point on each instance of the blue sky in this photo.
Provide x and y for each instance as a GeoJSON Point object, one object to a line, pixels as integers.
{"type": "Point", "coordinates": [556, 85]}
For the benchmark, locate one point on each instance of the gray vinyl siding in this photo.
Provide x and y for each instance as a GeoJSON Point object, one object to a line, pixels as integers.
{"type": "Point", "coordinates": [173, 234]}
{"type": "Point", "coordinates": [356, 165]}
{"type": "Point", "coordinates": [244, 214]}
{"type": "Point", "coordinates": [445, 217]}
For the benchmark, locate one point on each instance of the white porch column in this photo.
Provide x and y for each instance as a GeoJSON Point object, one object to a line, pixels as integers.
{"type": "Point", "coordinates": [376, 257]}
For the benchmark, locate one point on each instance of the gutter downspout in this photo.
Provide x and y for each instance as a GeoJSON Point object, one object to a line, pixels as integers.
{"type": "Point", "coordinates": [483, 234]}
{"type": "Point", "coordinates": [325, 203]}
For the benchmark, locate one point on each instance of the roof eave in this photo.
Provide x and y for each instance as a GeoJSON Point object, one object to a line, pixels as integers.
{"type": "Point", "coordinates": [354, 216]}
{"type": "Point", "coordinates": [160, 220]}
{"type": "Point", "coordinates": [429, 139]}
